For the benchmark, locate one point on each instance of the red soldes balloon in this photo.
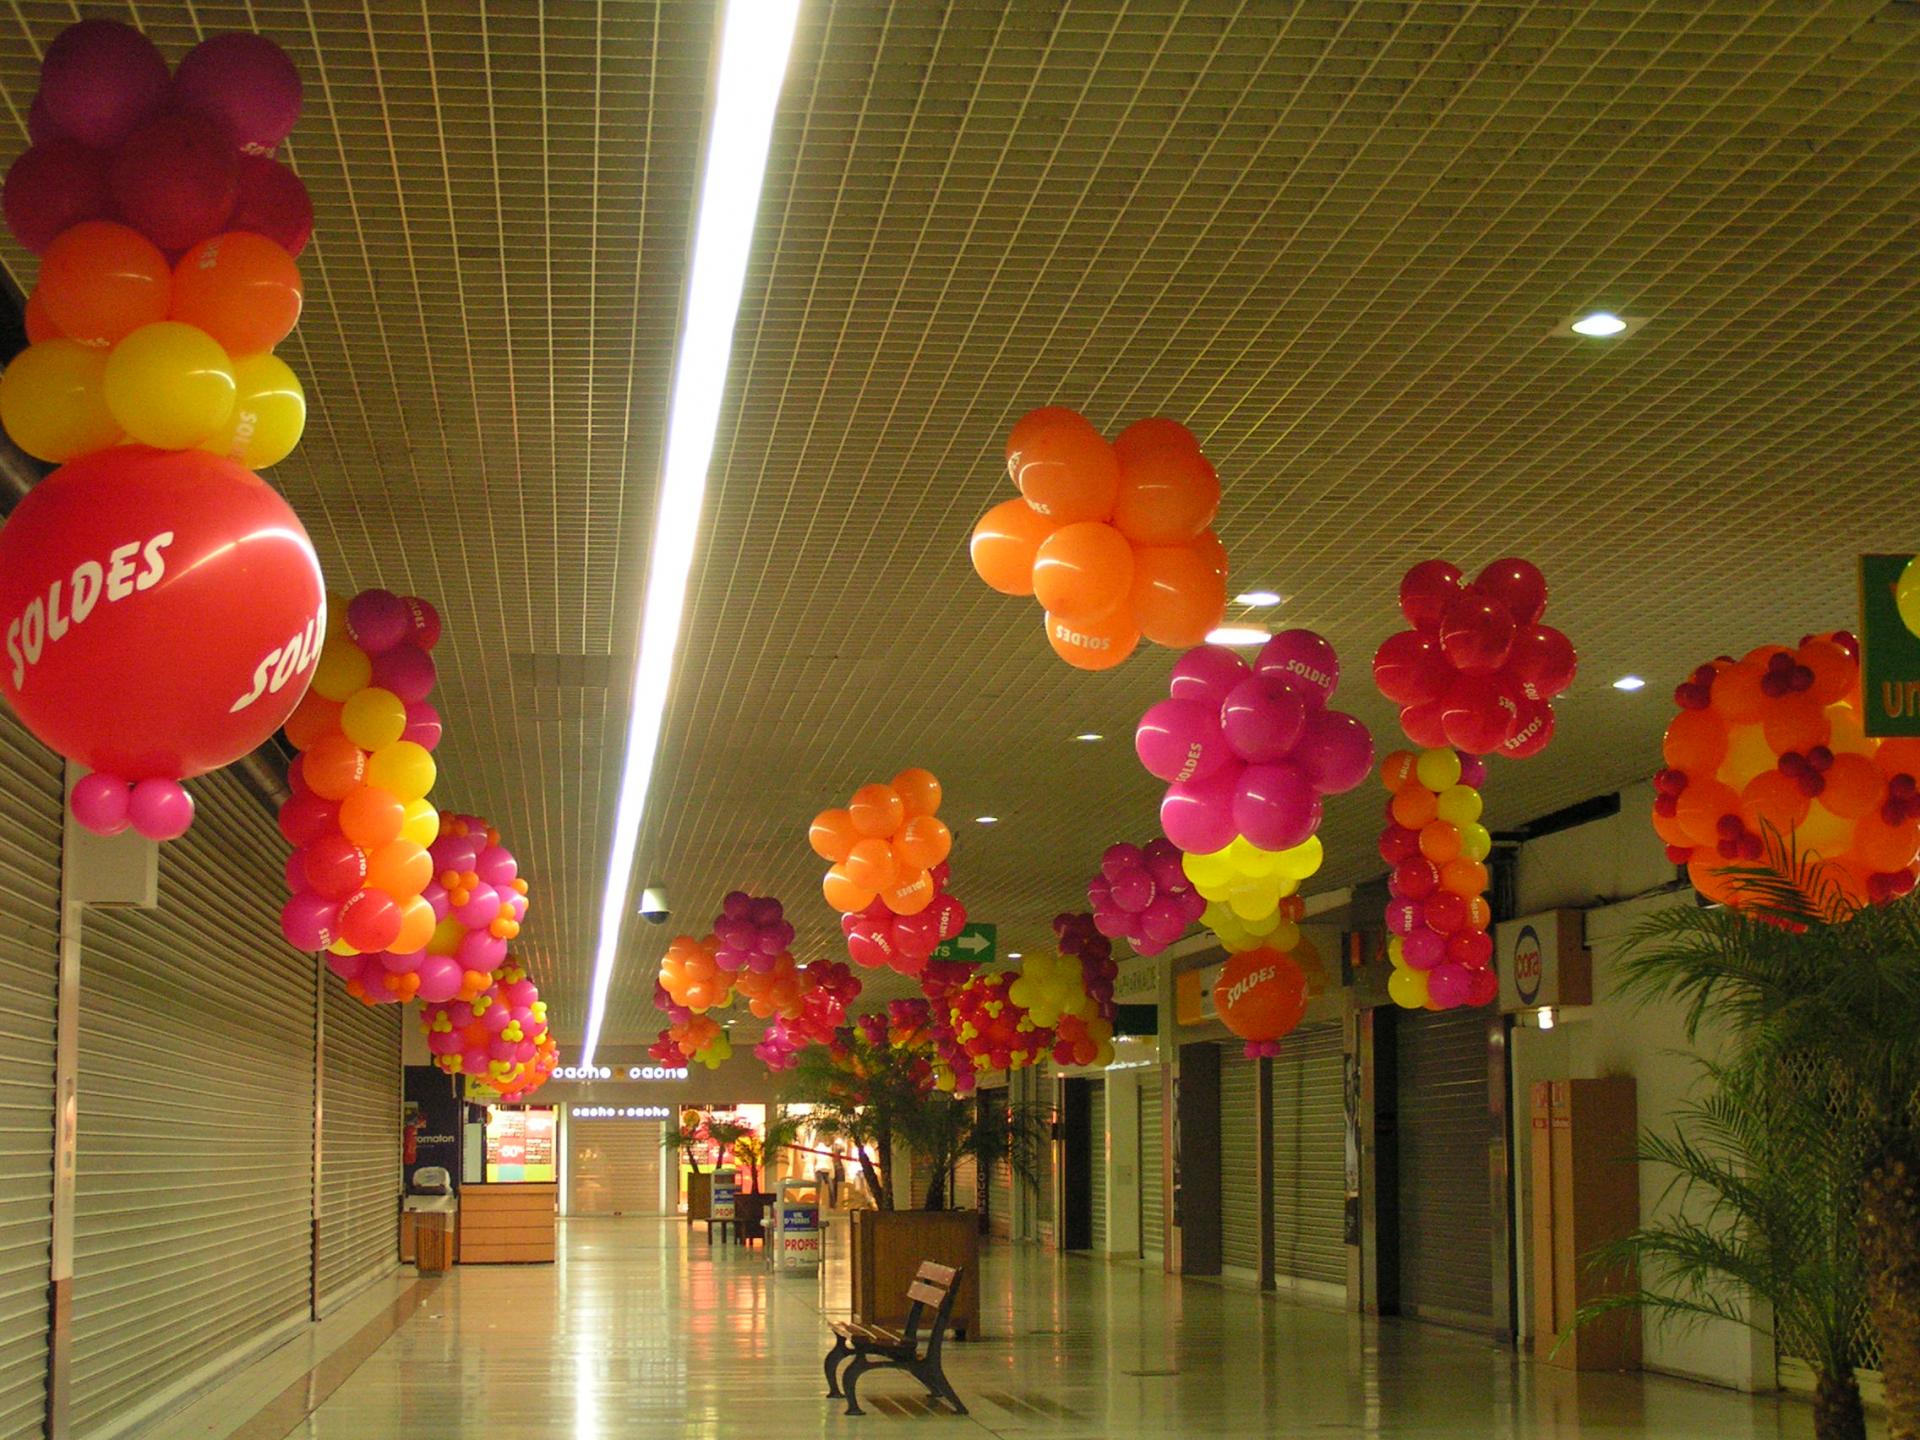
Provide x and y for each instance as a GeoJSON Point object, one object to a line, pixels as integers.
{"type": "Point", "coordinates": [1516, 584]}
{"type": "Point", "coordinates": [1425, 592]}
{"type": "Point", "coordinates": [175, 180]}
{"type": "Point", "coordinates": [273, 201]}
{"type": "Point", "coordinates": [1476, 715]}
{"type": "Point", "coordinates": [1542, 661]}
{"type": "Point", "coordinates": [52, 188]}
{"type": "Point", "coordinates": [162, 611]}
{"type": "Point", "coordinates": [1410, 668]}
{"type": "Point", "coordinates": [1476, 631]}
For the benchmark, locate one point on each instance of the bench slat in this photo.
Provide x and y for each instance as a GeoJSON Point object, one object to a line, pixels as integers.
{"type": "Point", "coordinates": [941, 1275]}
{"type": "Point", "coordinates": [926, 1294]}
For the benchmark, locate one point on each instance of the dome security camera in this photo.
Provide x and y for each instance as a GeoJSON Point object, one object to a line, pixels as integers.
{"type": "Point", "coordinates": [653, 905]}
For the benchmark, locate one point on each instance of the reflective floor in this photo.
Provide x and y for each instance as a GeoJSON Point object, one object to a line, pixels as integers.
{"type": "Point", "coordinates": [639, 1331]}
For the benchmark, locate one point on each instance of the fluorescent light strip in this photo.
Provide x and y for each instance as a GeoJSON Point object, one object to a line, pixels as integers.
{"type": "Point", "coordinates": [756, 39]}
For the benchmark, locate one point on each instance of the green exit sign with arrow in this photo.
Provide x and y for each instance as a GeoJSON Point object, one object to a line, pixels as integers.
{"type": "Point", "coordinates": [975, 944]}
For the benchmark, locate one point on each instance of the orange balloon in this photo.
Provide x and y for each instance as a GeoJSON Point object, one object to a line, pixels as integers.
{"type": "Point", "coordinates": [40, 325]}
{"type": "Point", "coordinates": [1209, 548]}
{"type": "Point", "coordinates": [1165, 497]}
{"type": "Point", "coordinates": [1005, 541]}
{"type": "Point", "coordinates": [240, 288]}
{"type": "Point", "coordinates": [1440, 841]}
{"type": "Point", "coordinates": [1464, 877]}
{"type": "Point", "coordinates": [1064, 468]}
{"type": "Point", "coordinates": [400, 868]}
{"type": "Point", "coordinates": [924, 842]}
{"type": "Point", "coordinates": [1737, 696]}
{"type": "Point", "coordinates": [1886, 848]}
{"type": "Point", "coordinates": [1156, 432]}
{"type": "Point", "coordinates": [334, 767]}
{"type": "Point", "coordinates": [909, 896]}
{"type": "Point", "coordinates": [842, 894]}
{"type": "Point", "coordinates": [1479, 912]}
{"type": "Point", "coordinates": [1899, 755]}
{"type": "Point", "coordinates": [416, 926]}
{"type": "Point", "coordinates": [832, 835]}
{"type": "Point", "coordinates": [1261, 994]}
{"type": "Point", "coordinates": [371, 817]}
{"type": "Point", "coordinates": [877, 810]}
{"type": "Point", "coordinates": [1414, 806]}
{"type": "Point", "coordinates": [100, 282]}
{"type": "Point", "coordinates": [1705, 871]}
{"type": "Point", "coordinates": [1794, 722]}
{"type": "Point", "coordinates": [1696, 742]}
{"type": "Point", "coordinates": [1834, 671]}
{"type": "Point", "coordinates": [1083, 571]}
{"type": "Point", "coordinates": [1093, 644]}
{"type": "Point", "coordinates": [919, 791]}
{"type": "Point", "coordinates": [1772, 799]}
{"type": "Point", "coordinates": [313, 717]}
{"type": "Point", "coordinates": [870, 864]}
{"type": "Point", "coordinates": [1700, 807]}
{"type": "Point", "coordinates": [1177, 598]}
{"type": "Point", "coordinates": [1669, 829]}
{"type": "Point", "coordinates": [1037, 422]}
{"type": "Point", "coordinates": [1855, 787]}
{"type": "Point", "coordinates": [1397, 770]}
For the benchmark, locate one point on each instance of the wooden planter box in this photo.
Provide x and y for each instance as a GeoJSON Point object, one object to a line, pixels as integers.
{"type": "Point", "coordinates": [699, 1196]}
{"type": "Point", "coordinates": [889, 1246]}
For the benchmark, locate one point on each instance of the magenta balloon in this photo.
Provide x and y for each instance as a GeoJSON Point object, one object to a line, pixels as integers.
{"type": "Point", "coordinates": [1473, 770]}
{"type": "Point", "coordinates": [1304, 658]}
{"type": "Point", "coordinates": [1275, 807]}
{"type": "Point", "coordinates": [175, 180]}
{"type": "Point", "coordinates": [764, 911]}
{"type": "Point", "coordinates": [1482, 987]}
{"type": "Point", "coordinates": [481, 907]}
{"type": "Point", "coordinates": [244, 81]}
{"type": "Point", "coordinates": [1518, 585]}
{"type": "Point", "coordinates": [1263, 718]}
{"type": "Point", "coordinates": [729, 959]}
{"type": "Point", "coordinates": [40, 125]}
{"type": "Point", "coordinates": [1410, 667]}
{"type": "Point", "coordinates": [160, 809]}
{"type": "Point", "coordinates": [406, 670]}
{"type": "Point", "coordinates": [1197, 815]}
{"type": "Point", "coordinates": [1423, 949]}
{"type": "Point", "coordinates": [1192, 904]}
{"type": "Point", "coordinates": [1163, 920]}
{"type": "Point", "coordinates": [868, 946]}
{"type": "Point", "coordinates": [101, 80]}
{"type": "Point", "coordinates": [1134, 890]}
{"type": "Point", "coordinates": [1099, 893]}
{"type": "Point", "coordinates": [1404, 916]}
{"type": "Point", "coordinates": [915, 936]}
{"type": "Point", "coordinates": [1425, 592]}
{"type": "Point", "coordinates": [735, 932]}
{"type": "Point", "coordinates": [1397, 842]}
{"type": "Point", "coordinates": [377, 621]}
{"type": "Point", "coordinates": [1166, 870]}
{"type": "Point", "coordinates": [423, 725]}
{"type": "Point", "coordinates": [345, 967]}
{"type": "Point", "coordinates": [1471, 948]}
{"type": "Point", "coordinates": [1415, 878]}
{"type": "Point", "coordinates": [1205, 674]}
{"type": "Point", "coordinates": [100, 803]}
{"type": "Point", "coordinates": [496, 866]}
{"type": "Point", "coordinates": [759, 963]}
{"type": "Point", "coordinates": [307, 921]}
{"type": "Point", "coordinates": [738, 905]}
{"type": "Point", "coordinates": [1542, 659]}
{"type": "Point", "coordinates": [1181, 740]}
{"type": "Point", "coordinates": [1120, 859]}
{"type": "Point", "coordinates": [1336, 753]}
{"type": "Point", "coordinates": [1476, 632]}
{"type": "Point", "coordinates": [1112, 922]}
{"type": "Point", "coordinates": [294, 871]}
{"type": "Point", "coordinates": [53, 187]}
{"type": "Point", "coordinates": [435, 894]}
{"type": "Point", "coordinates": [1532, 729]}
{"type": "Point", "coordinates": [273, 201]}
{"type": "Point", "coordinates": [1449, 985]}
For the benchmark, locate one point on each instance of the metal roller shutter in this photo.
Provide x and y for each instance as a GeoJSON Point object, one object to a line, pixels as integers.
{"type": "Point", "coordinates": [31, 798]}
{"type": "Point", "coordinates": [1153, 1190]}
{"type": "Point", "coordinates": [1310, 1157]}
{"type": "Point", "coordinates": [1239, 1161]}
{"type": "Point", "coordinates": [1446, 1223]}
{"type": "Point", "coordinates": [1000, 1192]}
{"type": "Point", "coordinates": [614, 1167]}
{"type": "Point", "coordinates": [1043, 1090]}
{"type": "Point", "coordinates": [1097, 1160]}
{"type": "Point", "coordinates": [966, 1185]}
{"type": "Point", "coordinates": [194, 1204]}
{"type": "Point", "coordinates": [359, 1144]}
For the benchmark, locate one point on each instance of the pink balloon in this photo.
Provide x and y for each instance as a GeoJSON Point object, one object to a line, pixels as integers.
{"type": "Point", "coordinates": [160, 809]}
{"type": "Point", "coordinates": [1424, 724]}
{"type": "Point", "coordinates": [426, 622]}
{"type": "Point", "coordinates": [483, 904]}
{"type": "Point", "coordinates": [1336, 753]}
{"type": "Point", "coordinates": [868, 945]}
{"type": "Point", "coordinates": [1304, 658]}
{"type": "Point", "coordinates": [244, 81]}
{"type": "Point", "coordinates": [1404, 916]}
{"type": "Point", "coordinates": [480, 951]}
{"type": "Point", "coordinates": [1264, 717]}
{"type": "Point", "coordinates": [1446, 912]}
{"type": "Point", "coordinates": [1197, 815]}
{"type": "Point", "coordinates": [1449, 985]}
{"type": "Point", "coordinates": [401, 964]}
{"type": "Point", "coordinates": [1482, 987]}
{"type": "Point", "coordinates": [435, 895]}
{"type": "Point", "coordinates": [952, 915]}
{"type": "Point", "coordinates": [100, 803]}
{"type": "Point", "coordinates": [406, 670]}
{"type": "Point", "coordinates": [1473, 770]}
{"type": "Point", "coordinates": [496, 866]}
{"type": "Point", "coordinates": [306, 817]}
{"type": "Point", "coordinates": [100, 81]}
{"type": "Point", "coordinates": [1120, 859]}
{"type": "Point", "coordinates": [307, 921]}
{"type": "Point", "coordinates": [1410, 667]}
{"type": "Point", "coordinates": [1165, 867]}
{"type": "Point", "coordinates": [1134, 890]}
{"type": "Point", "coordinates": [1275, 807]}
{"type": "Point", "coordinates": [1205, 674]}
{"type": "Point", "coordinates": [1112, 922]}
{"type": "Point", "coordinates": [1425, 592]}
{"type": "Point", "coordinates": [423, 725]}
{"type": "Point", "coordinates": [1181, 740]}
{"type": "Point", "coordinates": [53, 187]}
{"type": "Point", "coordinates": [1163, 920]}
{"type": "Point", "coordinates": [1471, 948]}
{"type": "Point", "coordinates": [1423, 949]}
{"type": "Point", "coordinates": [273, 201]}
{"type": "Point", "coordinates": [377, 621]}
{"type": "Point", "coordinates": [914, 936]}
{"type": "Point", "coordinates": [175, 180]}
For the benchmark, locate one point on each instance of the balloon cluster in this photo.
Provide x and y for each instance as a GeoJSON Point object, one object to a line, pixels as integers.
{"type": "Point", "coordinates": [699, 1039]}
{"type": "Point", "coordinates": [1112, 539]}
{"type": "Point", "coordinates": [1768, 759]}
{"type": "Point", "coordinates": [878, 937]}
{"type": "Point", "coordinates": [167, 237]}
{"type": "Point", "coordinates": [828, 987]}
{"type": "Point", "coordinates": [1477, 671]}
{"type": "Point", "coordinates": [1252, 894]}
{"type": "Point", "coordinates": [882, 846]}
{"type": "Point", "coordinates": [358, 815]}
{"type": "Point", "coordinates": [991, 1028]}
{"type": "Point", "coordinates": [690, 973]}
{"type": "Point", "coordinates": [1079, 936]}
{"type": "Point", "coordinates": [496, 1036]}
{"type": "Point", "coordinates": [1442, 955]}
{"type": "Point", "coordinates": [481, 900]}
{"type": "Point", "coordinates": [751, 932]}
{"type": "Point", "coordinates": [1261, 995]}
{"type": "Point", "coordinates": [1143, 896]}
{"type": "Point", "coordinates": [546, 1059]}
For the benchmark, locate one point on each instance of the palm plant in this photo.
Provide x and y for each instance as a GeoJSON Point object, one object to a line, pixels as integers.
{"type": "Point", "coordinates": [687, 1135]}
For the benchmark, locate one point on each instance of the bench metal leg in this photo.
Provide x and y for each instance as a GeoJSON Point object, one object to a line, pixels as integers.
{"type": "Point", "coordinates": [850, 1379]}
{"type": "Point", "coordinates": [840, 1351]}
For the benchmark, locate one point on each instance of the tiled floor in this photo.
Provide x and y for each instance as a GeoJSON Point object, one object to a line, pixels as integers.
{"type": "Point", "coordinates": [636, 1333]}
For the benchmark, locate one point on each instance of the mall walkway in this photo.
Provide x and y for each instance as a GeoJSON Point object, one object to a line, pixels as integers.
{"type": "Point", "coordinates": [638, 1332]}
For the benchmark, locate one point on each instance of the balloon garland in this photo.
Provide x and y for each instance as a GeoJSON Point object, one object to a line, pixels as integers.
{"type": "Point", "coordinates": [1441, 953]}
{"type": "Point", "coordinates": [1112, 539]}
{"type": "Point", "coordinates": [162, 605]}
{"type": "Point", "coordinates": [882, 846]}
{"type": "Point", "coordinates": [1768, 761]}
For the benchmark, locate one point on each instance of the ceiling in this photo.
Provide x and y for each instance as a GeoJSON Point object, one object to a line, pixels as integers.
{"type": "Point", "coordinates": [1334, 239]}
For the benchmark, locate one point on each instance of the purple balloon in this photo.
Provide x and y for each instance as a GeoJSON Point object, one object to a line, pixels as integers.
{"type": "Point", "coordinates": [423, 725]}
{"type": "Point", "coordinates": [1423, 948]}
{"type": "Point", "coordinates": [1449, 984]}
{"type": "Point", "coordinates": [1181, 740]}
{"type": "Point", "coordinates": [735, 932]}
{"type": "Point", "coordinates": [306, 920]}
{"type": "Point", "coordinates": [377, 620]}
{"type": "Point", "coordinates": [765, 911]}
{"type": "Point", "coordinates": [1206, 673]}
{"type": "Point", "coordinates": [406, 670]}
{"type": "Point", "coordinates": [1304, 658]}
{"type": "Point", "coordinates": [100, 804]}
{"type": "Point", "coordinates": [246, 82]}
{"type": "Point", "coordinates": [737, 906]}
{"type": "Point", "coordinates": [1263, 718]}
{"type": "Point", "coordinates": [1197, 815]}
{"type": "Point", "coordinates": [1119, 860]}
{"type": "Point", "coordinates": [160, 809]}
{"type": "Point", "coordinates": [726, 958]}
{"type": "Point", "coordinates": [101, 81]}
{"type": "Point", "coordinates": [1192, 904]}
{"type": "Point", "coordinates": [1275, 807]}
{"type": "Point", "coordinates": [1336, 752]}
{"type": "Point", "coordinates": [1133, 891]}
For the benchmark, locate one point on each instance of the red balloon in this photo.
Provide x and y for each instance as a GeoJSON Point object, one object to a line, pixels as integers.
{"type": "Point", "coordinates": [305, 817]}
{"type": "Point", "coordinates": [1426, 591]}
{"type": "Point", "coordinates": [1542, 660]}
{"type": "Point", "coordinates": [161, 611]}
{"type": "Point", "coordinates": [1516, 584]}
{"type": "Point", "coordinates": [1476, 631]}
{"type": "Point", "coordinates": [1261, 995]}
{"type": "Point", "coordinates": [1425, 723]}
{"type": "Point", "coordinates": [1532, 729]}
{"type": "Point", "coordinates": [1398, 843]}
{"type": "Point", "coordinates": [175, 180]}
{"type": "Point", "coordinates": [334, 866]}
{"type": "Point", "coordinates": [1410, 668]}
{"type": "Point", "coordinates": [52, 188]}
{"type": "Point", "coordinates": [1469, 947]}
{"type": "Point", "coordinates": [273, 201]}
{"type": "Point", "coordinates": [370, 920]}
{"type": "Point", "coordinates": [1475, 716]}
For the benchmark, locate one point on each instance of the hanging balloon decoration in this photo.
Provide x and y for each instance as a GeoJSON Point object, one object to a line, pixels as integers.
{"type": "Point", "coordinates": [1261, 996]}
{"type": "Point", "coordinates": [1143, 896]}
{"type": "Point", "coordinates": [700, 1040]}
{"type": "Point", "coordinates": [882, 846]}
{"type": "Point", "coordinates": [877, 937]}
{"type": "Point", "coordinates": [690, 973]}
{"type": "Point", "coordinates": [1080, 937]}
{"type": "Point", "coordinates": [751, 932]}
{"type": "Point", "coordinates": [1250, 893]}
{"type": "Point", "coordinates": [827, 989]}
{"type": "Point", "coordinates": [481, 899]}
{"type": "Point", "coordinates": [495, 1037]}
{"type": "Point", "coordinates": [162, 605]}
{"type": "Point", "coordinates": [1112, 539]}
{"type": "Point", "coordinates": [993, 1030]}
{"type": "Point", "coordinates": [1768, 762]}
{"type": "Point", "coordinates": [1438, 916]}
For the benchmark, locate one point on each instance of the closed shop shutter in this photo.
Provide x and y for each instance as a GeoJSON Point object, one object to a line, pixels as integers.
{"type": "Point", "coordinates": [614, 1167]}
{"type": "Point", "coordinates": [1310, 1157]}
{"type": "Point", "coordinates": [30, 828]}
{"type": "Point", "coordinates": [1239, 1161]}
{"type": "Point", "coordinates": [1000, 1190]}
{"type": "Point", "coordinates": [1043, 1090]}
{"type": "Point", "coordinates": [1097, 1160]}
{"type": "Point", "coordinates": [1153, 1191]}
{"type": "Point", "coordinates": [1446, 1223]}
{"type": "Point", "coordinates": [966, 1185]}
{"type": "Point", "coordinates": [359, 1144]}
{"type": "Point", "coordinates": [193, 1203]}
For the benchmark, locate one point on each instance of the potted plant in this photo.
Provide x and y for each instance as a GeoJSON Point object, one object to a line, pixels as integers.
{"type": "Point", "coordinates": [686, 1136]}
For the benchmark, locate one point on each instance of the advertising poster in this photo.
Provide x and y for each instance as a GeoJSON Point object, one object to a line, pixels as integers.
{"type": "Point", "coordinates": [431, 1123]}
{"type": "Point", "coordinates": [726, 1184]}
{"type": "Point", "coordinates": [520, 1147]}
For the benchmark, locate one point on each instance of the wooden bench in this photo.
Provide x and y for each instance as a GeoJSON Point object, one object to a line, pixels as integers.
{"type": "Point", "coordinates": [874, 1347]}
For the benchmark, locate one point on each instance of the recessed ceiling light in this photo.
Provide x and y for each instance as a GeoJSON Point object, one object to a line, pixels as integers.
{"type": "Point", "coordinates": [1257, 598]}
{"type": "Point", "coordinates": [1013, 954]}
{"type": "Point", "coordinates": [986, 819]}
{"type": "Point", "coordinates": [1629, 682]}
{"type": "Point", "coordinates": [1087, 735]}
{"type": "Point", "coordinates": [1237, 635]}
{"type": "Point", "coordinates": [1600, 325]}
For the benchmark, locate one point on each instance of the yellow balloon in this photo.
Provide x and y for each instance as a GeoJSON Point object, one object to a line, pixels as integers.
{"type": "Point", "coordinates": [170, 385]}
{"type": "Point", "coordinates": [343, 671]}
{"type": "Point", "coordinates": [1254, 899]}
{"type": "Point", "coordinates": [1262, 926]}
{"type": "Point", "coordinates": [1249, 861]}
{"type": "Point", "coordinates": [1408, 989]}
{"type": "Point", "coordinates": [341, 947]}
{"type": "Point", "coordinates": [1906, 595]}
{"type": "Point", "coordinates": [1438, 769]}
{"type": "Point", "coordinates": [268, 417]}
{"type": "Point", "coordinates": [373, 718]}
{"type": "Point", "coordinates": [1476, 841]}
{"type": "Point", "coordinates": [1208, 870]}
{"type": "Point", "coordinates": [1302, 860]}
{"type": "Point", "coordinates": [1458, 805]}
{"type": "Point", "coordinates": [1748, 755]}
{"type": "Point", "coordinates": [1849, 735]}
{"type": "Point", "coordinates": [1285, 935]}
{"type": "Point", "coordinates": [53, 401]}
{"type": "Point", "coordinates": [422, 825]}
{"type": "Point", "coordinates": [1823, 833]}
{"type": "Point", "coordinates": [404, 768]}
{"type": "Point", "coordinates": [447, 936]}
{"type": "Point", "coordinates": [1396, 953]}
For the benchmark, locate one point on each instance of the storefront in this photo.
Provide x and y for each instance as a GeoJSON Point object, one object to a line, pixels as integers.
{"type": "Point", "coordinates": [616, 1162]}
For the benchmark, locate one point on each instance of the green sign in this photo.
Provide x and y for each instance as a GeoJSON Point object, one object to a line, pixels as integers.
{"type": "Point", "coordinates": [1889, 651]}
{"type": "Point", "coordinates": [975, 944]}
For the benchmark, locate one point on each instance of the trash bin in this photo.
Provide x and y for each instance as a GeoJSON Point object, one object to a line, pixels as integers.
{"type": "Point", "coordinates": [427, 1221]}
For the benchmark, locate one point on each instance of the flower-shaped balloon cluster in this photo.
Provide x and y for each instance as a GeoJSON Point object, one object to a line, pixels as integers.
{"type": "Point", "coordinates": [691, 975]}
{"type": "Point", "coordinates": [882, 846]}
{"type": "Point", "coordinates": [1143, 896]}
{"type": "Point", "coordinates": [878, 937]}
{"type": "Point", "coordinates": [1438, 916]}
{"type": "Point", "coordinates": [751, 932]}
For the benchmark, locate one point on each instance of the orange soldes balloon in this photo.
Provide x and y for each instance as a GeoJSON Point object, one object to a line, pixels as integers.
{"type": "Point", "coordinates": [1083, 571]}
{"type": "Point", "coordinates": [416, 926]}
{"type": "Point", "coordinates": [1165, 497]}
{"type": "Point", "coordinates": [1209, 547]}
{"type": "Point", "coordinates": [1670, 830]}
{"type": "Point", "coordinates": [313, 717]}
{"type": "Point", "coordinates": [842, 894]}
{"type": "Point", "coordinates": [1834, 671]}
{"type": "Point", "coordinates": [1177, 598]}
{"type": "Point", "coordinates": [924, 842]}
{"type": "Point", "coordinates": [832, 835]}
{"type": "Point", "coordinates": [240, 288]}
{"type": "Point", "coordinates": [1440, 841]}
{"type": "Point", "coordinates": [1036, 422]}
{"type": "Point", "coordinates": [909, 896]}
{"type": "Point", "coordinates": [1696, 741]}
{"type": "Point", "coordinates": [100, 282]}
{"type": "Point", "coordinates": [1156, 432]}
{"type": "Point", "coordinates": [1005, 541]}
{"type": "Point", "coordinates": [1397, 770]}
{"type": "Point", "coordinates": [371, 817]}
{"type": "Point", "coordinates": [919, 791]}
{"type": "Point", "coordinates": [869, 864]}
{"type": "Point", "coordinates": [877, 810]}
{"type": "Point", "coordinates": [1885, 847]}
{"type": "Point", "coordinates": [1704, 870]}
{"type": "Point", "coordinates": [1093, 645]}
{"type": "Point", "coordinates": [1261, 994]}
{"type": "Point", "coordinates": [1899, 755]}
{"type": "Point", "coordinates": [400, 868]}
{"type": "Point", "coordinates": [1064, 467]}
{"type": "Point", "coordinates": [334, 766]}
